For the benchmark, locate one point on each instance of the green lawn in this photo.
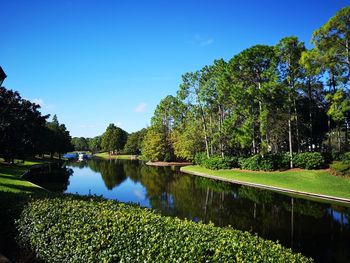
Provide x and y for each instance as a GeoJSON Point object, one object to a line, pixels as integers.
{"type": "Point", "coordinates": [105, 155]}
{"type": "Point", "coordinates": [311, 181]}
{"type": "Point", "coordinates": [10, 180]}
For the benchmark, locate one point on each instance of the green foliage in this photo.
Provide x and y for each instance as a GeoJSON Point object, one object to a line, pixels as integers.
{"type": "Point", "coordinates": [23, 129]}
{"type": "Point", "coordinates": [154, 145]}
{"type": "Point", "coordinates": [266, 162]}
{"type": "Point", "coordinates": [70, 229]}
{"type": "Point", "coordinates": [113, 139]}
{"type": "Point", "coordinates": [340, 168]}
{"type": "Point", "coordinates": [134, 143]}
{"type": "Point", "coordinates": [200, 158]}
{"type": "Point", "coordinates": [309, 160]}
{"type": "Point", "coordinates": [216, 162]}
{"type": "Point", "coordinates": [80, 143]}
{"type": "Point", "coordinates": [95, 144]}
{"type": "Point", "coordinates": [58, 137]}
{"type": "Point", "coordinates": [187, 141]}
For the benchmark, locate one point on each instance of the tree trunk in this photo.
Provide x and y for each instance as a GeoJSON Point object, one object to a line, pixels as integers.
{"type": "Point", "coordinates": [262, 128]}
{"type": "Point", "coordinates": [339, 137]}
{"type": "Point", "coordinates": [296, 124]}
{"type": "Point", "coordinates": [221, 120]}
{"type": "Point", "coordinates": [290, 143]}
{"type": "Point", "coordinates": [329, 134]}
{"type": "Point", "coordinates": [205, 132]}
{"type": "Point", "coordinates": [290, 137]}
{"type": "Point", "coordinates": [346, 136]}
{"type": "Point", "coordinates": [310, 114]}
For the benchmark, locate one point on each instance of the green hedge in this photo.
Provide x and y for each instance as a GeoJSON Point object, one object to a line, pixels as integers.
{"type": "Point", "coordinates": [309, 160]}
{"type": "Point", "coordinates": [68, 229]}
{"type": "Point", "coordinates": [340, 168]}
{"type": "Point", "coordinates": [216, 162]}
{"type": "Point", "coordinates": [267, 162]}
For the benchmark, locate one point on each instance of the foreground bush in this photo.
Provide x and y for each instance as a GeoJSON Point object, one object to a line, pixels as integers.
{"type": "Point", "coordinates": [309, 160]}
{"type": "Point", "coordinates": [66, 229]}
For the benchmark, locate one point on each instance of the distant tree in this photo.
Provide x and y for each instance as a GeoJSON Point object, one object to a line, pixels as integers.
{"type": "Point", "coordinates": [95, 144]}
{"type": "Point", "coordinates": [80, 143]}
{"type": "Point", "coordinates": [59, 138]}
{"type": "Point", "coordinates": [134, 143]}
{"type": "Point", "coordinates": [114, 139]}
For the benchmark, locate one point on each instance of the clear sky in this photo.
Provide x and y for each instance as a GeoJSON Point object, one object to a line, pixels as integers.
{"type": "Point", "coordinates": [95, 62]}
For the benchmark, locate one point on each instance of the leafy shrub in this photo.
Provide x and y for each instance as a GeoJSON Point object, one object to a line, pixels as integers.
{"type": "Point", "coordinates": [345, 157]}
{"type": "Point", "coordinates": [340, 168]}
{"type": "Point", "coordinates": [200, 158]}
{"type": "Point", "coordinates": [69, 229]}
{"type": "Point", "coordinates": [309, 160]}
{"type": "Point", "coordinates": [216, 162]}
{"type": "Point", "coordinates": [268, 162]}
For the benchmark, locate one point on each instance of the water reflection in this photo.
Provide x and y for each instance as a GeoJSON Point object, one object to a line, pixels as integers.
{"type": "Point", "coordinates": [319, 230]}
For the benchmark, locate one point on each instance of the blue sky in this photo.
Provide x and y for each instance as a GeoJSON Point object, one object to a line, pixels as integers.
{"type": "Point", "coordinates": [95, 62]}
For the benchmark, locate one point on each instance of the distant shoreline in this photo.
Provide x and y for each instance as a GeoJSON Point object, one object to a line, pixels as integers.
{"type": "Point", "coordinates": [180, 164]}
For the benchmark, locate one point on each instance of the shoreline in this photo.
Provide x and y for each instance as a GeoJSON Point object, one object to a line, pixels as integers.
{"type": "Point", "coordinates": [271, 188]}
{"type": "Point", "coordinates": [164, 164]}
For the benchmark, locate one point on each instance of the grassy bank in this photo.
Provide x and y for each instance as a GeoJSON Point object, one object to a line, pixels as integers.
{"type": "Point", "coordinates": [10, 178]}
{"type": "Point", "coordinates": [311, 181]}
{"type": "Point", "coordinates": [14, 194]}
{"type": "Point", "coordinates": [105, 155]}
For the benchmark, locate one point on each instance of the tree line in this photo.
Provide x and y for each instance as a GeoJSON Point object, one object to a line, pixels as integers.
{"type": "Point", "coordinates": [266, 99]}
{"type": "Point", "coordinates": [114, 140]}
{"type": "Point", "coordinates": [25, 132]}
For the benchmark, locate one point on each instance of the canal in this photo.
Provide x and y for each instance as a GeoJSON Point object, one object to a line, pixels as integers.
{"type": "Point", "coordinates": [320, 230]}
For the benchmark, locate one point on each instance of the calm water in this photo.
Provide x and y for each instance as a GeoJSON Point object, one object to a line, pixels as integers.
{"type": "Point", "coordinates": [319, 230]}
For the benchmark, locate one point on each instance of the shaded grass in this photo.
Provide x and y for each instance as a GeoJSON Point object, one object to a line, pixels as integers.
{"type": "Point", "coordinates": [10, 180]}
{"type": "Point", "coordinates": [311, 181]}
{"type": "Point", "coordinates": [14, 194]}
{"type": "Point", "coordinates": [105, 155]}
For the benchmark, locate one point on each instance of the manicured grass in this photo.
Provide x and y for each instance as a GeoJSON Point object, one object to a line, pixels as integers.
{"type": "Point", "coordinates": [121, 156]}
{"type": "Point", "coordinates": [10, 180]}
{"type": "Point", "coordinates": [311, 181]}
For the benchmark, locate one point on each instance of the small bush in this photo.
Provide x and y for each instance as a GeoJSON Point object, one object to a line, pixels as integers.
{"type": "Point", "coordinates": [68, 229]}
{"type": "Point", "coordinates": [309, 160]}
{"type": "Point", "coordinates": [200, 158]}
{"type": "Point", "coordinates": [267, 162]}
{"type": "Point", "coordinates": [345, 157]}
{"type": "Point", "coordinates": [216, 162]}
{"type": "Point", "coordinates": [340, 168]}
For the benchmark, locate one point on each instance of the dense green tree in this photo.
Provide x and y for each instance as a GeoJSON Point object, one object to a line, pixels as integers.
{"type": "Point", "coordinates": [289, 51]}
{"type": "Point", "coordinates": [134, 143]}
{"type": "Point", "coordinates": [154, 145]}
{"type": "Point", "coordinates": [95, 144]}
{"type": "Point", "coordinates": [339, 110]}
{"type": "Point", "coordinates": [59, 138]}
{"type": "Point", "coordinates": [255, 69]}
{"type": "Point", "coordinates": [80, 143]}
{"type": "Point", "coordinates": [332, 43]}
{"type": "Point", "coordinates": [21, 126]}
{"type": "Point", "coordinates": [113, 139]}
